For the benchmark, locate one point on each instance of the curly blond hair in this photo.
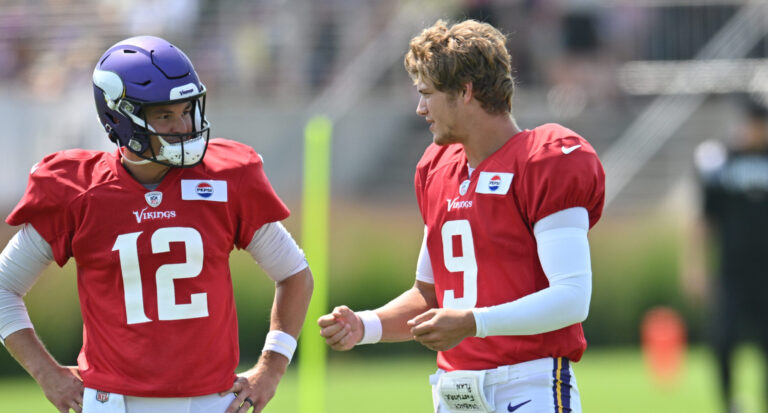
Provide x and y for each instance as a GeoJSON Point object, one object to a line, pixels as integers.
{"type": "Point", "coordinates": [469, 51]}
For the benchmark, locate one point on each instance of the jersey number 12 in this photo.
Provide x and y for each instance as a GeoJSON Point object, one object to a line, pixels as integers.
{"type": "Point", "coordinates": [167, 309]}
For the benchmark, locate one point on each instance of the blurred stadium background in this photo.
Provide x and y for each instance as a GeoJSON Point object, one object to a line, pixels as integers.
{"type": "Point", "coordinates": [644, 80]}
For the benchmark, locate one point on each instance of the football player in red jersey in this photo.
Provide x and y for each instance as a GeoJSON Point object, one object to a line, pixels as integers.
{"type": "Point", "coordinates": [151, 227]}
{"type": "Point", "coordinates": [503, 279]}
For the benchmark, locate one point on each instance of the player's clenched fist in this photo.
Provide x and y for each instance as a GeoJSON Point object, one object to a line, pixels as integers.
{"type": "Point", "coordinates": [341, 328]}
{"type": "Point", "coordinates": [442, 328]}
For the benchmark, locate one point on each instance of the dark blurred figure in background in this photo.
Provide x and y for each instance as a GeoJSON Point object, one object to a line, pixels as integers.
{"type": "Point", "coordinates": [480, 10]}
{"type": "Point", "coordinates": [734, 179]}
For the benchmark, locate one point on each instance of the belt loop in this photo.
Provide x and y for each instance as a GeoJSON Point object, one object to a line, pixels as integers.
{"type": "Point", "coordinates": [498, 375]}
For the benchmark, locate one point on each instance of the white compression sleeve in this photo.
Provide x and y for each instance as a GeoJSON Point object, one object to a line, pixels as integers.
{"type": "Point", "coordinates": [563, 249]}
{"type": "Point", "coordinates": [276, 251]}
{"type": "Point", "coordinates": [423, 265]}
{"type": "Point", "coordinates": [21, 264]}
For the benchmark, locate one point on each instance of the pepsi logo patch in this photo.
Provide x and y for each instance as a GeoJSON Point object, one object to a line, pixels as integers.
{"type": "Point", "coordinates": [496, 183]}
{"type": "Point", "coordinates": [204, 190]}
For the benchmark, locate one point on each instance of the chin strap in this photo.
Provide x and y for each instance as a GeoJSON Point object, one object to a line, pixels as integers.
{"type": "Point", "coordinates": [175, 154]}
{"type": "Point", "coordinates": [144, 161]}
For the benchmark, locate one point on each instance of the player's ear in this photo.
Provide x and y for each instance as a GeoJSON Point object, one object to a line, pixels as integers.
{"type": "Point", "coordinates": [466, 92]}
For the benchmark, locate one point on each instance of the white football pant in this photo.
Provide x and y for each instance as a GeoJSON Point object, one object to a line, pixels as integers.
{"type": "Point", "coordinates": [538, 386]}
{"type": "Point", "coordinates": [100, 402]}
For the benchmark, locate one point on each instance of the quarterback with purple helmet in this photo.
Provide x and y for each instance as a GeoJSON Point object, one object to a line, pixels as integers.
{"type": "Point", "coordinates": [151, 226]}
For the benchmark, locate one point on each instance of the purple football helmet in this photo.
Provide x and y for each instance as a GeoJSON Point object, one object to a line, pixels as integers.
{"type": "Point", "coordinates": [144, 71]}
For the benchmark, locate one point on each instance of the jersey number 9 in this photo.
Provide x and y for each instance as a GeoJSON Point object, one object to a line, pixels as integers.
{"type": "Point", "coordinates": [465, 263]}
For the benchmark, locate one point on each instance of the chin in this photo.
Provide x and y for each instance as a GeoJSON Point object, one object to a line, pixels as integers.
{"type": "Point", "coordinates": [442, 140]}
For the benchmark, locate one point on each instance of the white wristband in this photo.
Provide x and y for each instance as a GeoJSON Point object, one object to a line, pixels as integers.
{"type": "Point", "coordinates": [480, 328]}
{"type": "Point", "coordinates": [280, 342]}
{"type": "Point", "coordinates": [371, 327]}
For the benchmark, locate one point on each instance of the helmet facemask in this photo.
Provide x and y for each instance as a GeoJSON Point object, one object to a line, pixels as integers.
{"type": "Point", "coordinates": [176, 149]}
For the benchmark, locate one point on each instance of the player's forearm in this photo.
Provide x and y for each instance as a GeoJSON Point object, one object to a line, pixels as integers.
{"type": "Point", "coordinates": [29, 352]}
{"type": "Point", "coordinates": [292, 297]}
{"type": "Point", "coordinates": [546, 310]}
{"type": "Point", "coordinates": [289, 309]}
{"type": "Point", "coordinates": [273, 363]}
{"type": "Point", "coordinates": [397, 312]}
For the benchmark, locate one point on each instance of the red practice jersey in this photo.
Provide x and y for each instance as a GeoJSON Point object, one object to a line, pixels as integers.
{"type": "Point", "coordinates": [153, 265]}
{"type": "Point", "coordinates": [480, 232]}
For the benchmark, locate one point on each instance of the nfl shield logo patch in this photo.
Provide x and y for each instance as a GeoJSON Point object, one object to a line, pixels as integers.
{"type": "Point", "coordinates": [154, 198]}
{"type": "Point", "coordinates": [102, 396]}
{"type": "Point", "coordinates": [464, 187]}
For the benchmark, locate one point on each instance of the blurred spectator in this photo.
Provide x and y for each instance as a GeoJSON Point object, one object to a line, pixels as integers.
{"type": "Point", "coordinates": [174, 18]}
{"type": "Point", "coordinates": [539, 22]}
{"type": "Point", "coordinates": [580, 31]}
{"type": "Point", "coordinates": [570, 51]}
{"type": "Point", "coordinates": [480, 10]}
{"type": "Point", "coordinates": [734, 180]}
{"type": "Point", "coordinates": [324, 44]}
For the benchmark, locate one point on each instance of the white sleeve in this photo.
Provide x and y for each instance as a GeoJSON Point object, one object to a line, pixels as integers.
{"type": "Point", "coordinates": [423, 265]}
{"type": "Point", "coordinates": [563, 248]}
{"type": "Point", "coordinates": [21, 264]}
{"type": "Point", "coordinates": [276, 252]}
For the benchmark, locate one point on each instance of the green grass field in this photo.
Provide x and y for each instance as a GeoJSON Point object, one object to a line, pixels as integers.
{"type": "Point", "coordinates": [609, 380]}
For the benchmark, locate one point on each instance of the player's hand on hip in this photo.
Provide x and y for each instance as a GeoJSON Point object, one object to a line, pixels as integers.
{"type": "Point", "coordinates": [341, 328]}
{"type": "Point", "coordinates": [64, 390]}
{"type": "Point", "coordinates": [442, 328]}
{"type": "Point", "coordinates": [257, 386]}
